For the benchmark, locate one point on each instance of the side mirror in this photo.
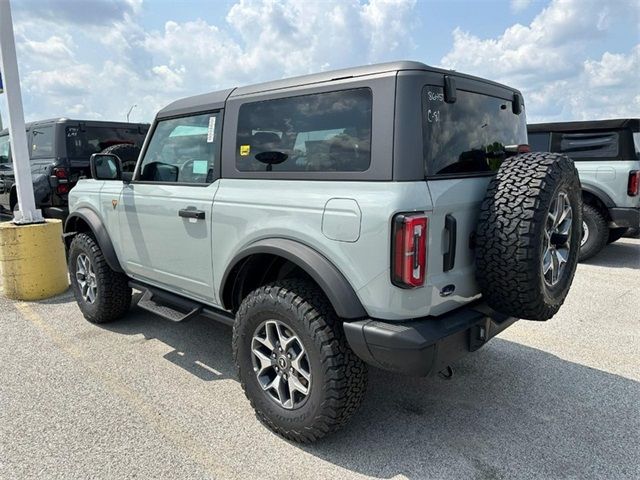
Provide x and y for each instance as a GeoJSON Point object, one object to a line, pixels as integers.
{"type": "Point", "coordinates": [105, 166]}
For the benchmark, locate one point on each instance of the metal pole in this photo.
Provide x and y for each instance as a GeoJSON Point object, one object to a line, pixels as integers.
{"type": "Point", "coordinates": [27, 212]}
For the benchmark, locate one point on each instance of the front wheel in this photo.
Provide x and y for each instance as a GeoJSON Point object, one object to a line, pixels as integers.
{"type": "Point", "coordinates": [294, 363]}
{"type": "Point", "coordinates": [102, 294]}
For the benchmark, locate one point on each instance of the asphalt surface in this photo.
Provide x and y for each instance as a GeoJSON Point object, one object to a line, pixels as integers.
{"type": "Point", "coordinates": [148, 398]}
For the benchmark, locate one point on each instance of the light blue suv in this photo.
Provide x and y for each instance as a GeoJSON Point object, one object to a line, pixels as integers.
{"type": "Point", "coordinates": [385, 215]}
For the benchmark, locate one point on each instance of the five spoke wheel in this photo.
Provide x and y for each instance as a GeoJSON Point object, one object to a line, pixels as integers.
{"type": "Point", "coordinates": [280, 363]}
{"type": "Point", "coordinates": [86, 278]}
{"type": "Point", "coordinates": [557, 242]}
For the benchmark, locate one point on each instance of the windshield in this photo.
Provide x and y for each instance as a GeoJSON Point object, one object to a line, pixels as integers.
{"type": "Point", "coordinates": [636, 142]}
{"type": "Point", "coordinates": [468, 136]}
{"type": "Point", "coordinates": [82, 142]}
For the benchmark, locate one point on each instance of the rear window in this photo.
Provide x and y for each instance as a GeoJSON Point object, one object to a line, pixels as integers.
{"type": "Point", "coordinates": [467, 136]}
{"type": "Point", "coordinates": [82, 142]}
{"type": "Point", "coordinates": [316, 133]}
{"type": "Point", "coordinates": [590, 145]}
{"type": "Point", "coordinates": [5, 150]}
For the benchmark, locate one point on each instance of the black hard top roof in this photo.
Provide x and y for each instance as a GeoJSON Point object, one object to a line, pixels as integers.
{"type": "Point", "coordinates": [614, 123]}
{"type": "Point", "coordinates": [89, 123]}
{"type": "Point", "coordinates": [216, 100]}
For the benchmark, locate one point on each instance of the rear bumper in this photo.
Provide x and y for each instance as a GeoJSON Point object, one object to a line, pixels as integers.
{"type": "Point", "coordinates": [61, 213]}
{"type": "Point", "coordinates": [624, 217]}
{"type": "Point", "coordinates": [426, 345]}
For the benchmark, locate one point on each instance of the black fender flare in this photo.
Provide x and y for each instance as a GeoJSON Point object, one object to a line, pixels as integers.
{"type": "Point", "coordinates": [332, 282]}
{"type": "Point", "coordinates": [599, 194]}
{"type": "Point", "coordinates": [93, 220]}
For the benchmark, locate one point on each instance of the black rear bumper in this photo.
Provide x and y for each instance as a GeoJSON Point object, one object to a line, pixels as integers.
{"type": "Point", "coordinates": [424, 346]}
{"type": "Point", "coordinates": [624, 217]}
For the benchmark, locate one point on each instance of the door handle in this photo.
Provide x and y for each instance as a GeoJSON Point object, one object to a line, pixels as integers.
{"type": "Point", "coordinates": [449, 258]}
{"type": "Point", "coordinates": [191, 212]}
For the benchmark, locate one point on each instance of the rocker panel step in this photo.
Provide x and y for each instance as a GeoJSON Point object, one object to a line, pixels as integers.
{"type": "Point", "coordinates": [168, 309]}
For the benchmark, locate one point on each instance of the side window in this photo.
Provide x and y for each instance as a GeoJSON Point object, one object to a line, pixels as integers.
{"type": "Point", "coordinates": [5, 150]}
{"type": "Point", "coordinates": [182, 150]}
{"type": "Point", "coordinates": [41, 141]}
{"type": "Point", "coordinates": [539, 142]}
{"type": "Point", "coordinates": [590, 145]}
{"type": "Point", "coordinates": [317, 133]}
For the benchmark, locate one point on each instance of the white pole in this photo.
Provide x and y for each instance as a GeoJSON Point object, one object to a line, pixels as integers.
{"type": "Point", "coordinates": [27, 212]}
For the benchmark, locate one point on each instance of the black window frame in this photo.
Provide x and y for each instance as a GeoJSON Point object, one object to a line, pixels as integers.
{"type": "Point", "coordinates": [218, 134]}
{"type": "Point", "coordinates": [383, 88]}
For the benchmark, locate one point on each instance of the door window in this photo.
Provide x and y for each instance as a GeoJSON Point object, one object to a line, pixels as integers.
{"type": "Point", "coordinates": [182, 150]}
{"type": "Point", "coordinates": [41, 141]}
{"type": "Point", "coordinates": [590, 145]}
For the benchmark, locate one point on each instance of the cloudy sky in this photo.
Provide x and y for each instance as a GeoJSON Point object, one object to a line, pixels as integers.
{"type": "Point", "coordinates": [573, 59]}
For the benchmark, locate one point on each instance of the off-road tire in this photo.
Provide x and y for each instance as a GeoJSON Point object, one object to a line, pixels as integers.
{"type": "Point", "coordinates": [113, 292]}
{"type": "Point", "coordinates": [339, 377]}
{"type": "Point", "coordinates": [598, 232]}
{"type": "Point", "coordinates": [511, 235]}
{"type": "Point", "coordinates": [127, 153]}
{"type": "Point", "coordinates": [616, 234]}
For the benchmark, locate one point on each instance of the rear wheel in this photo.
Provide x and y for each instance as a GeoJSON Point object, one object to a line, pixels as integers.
{"type": "Point", "coordinates": [102, 294]}
{"type": "Point", "coordinates": [595, 232]}
{"type": "Point", "coordinates": [529, 235]}
{"type": "Point", "coordinates": [294, 363]}
{"type": "Point", "coordinates": [616, 234]}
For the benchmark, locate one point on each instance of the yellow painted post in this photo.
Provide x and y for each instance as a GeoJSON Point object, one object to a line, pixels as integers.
{"type": "Point", "coordinates": [32, 260]}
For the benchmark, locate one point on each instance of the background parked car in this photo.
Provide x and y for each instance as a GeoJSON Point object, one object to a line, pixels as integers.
{"type": "Point", "coordinates": [59, 154]}
{"type": "Point", "coordinates": [607, 156]}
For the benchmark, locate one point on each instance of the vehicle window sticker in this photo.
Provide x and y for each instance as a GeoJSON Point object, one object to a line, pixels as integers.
{"type": "Point", "coordinates": [200, 167]}
{"type": "Point", "coordinates": [211, 132]}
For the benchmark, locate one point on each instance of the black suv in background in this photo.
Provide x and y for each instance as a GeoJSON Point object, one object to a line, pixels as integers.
{"type": "Point", "coordinates": [607, 156]}
{"type": "Point", "coordinates": [59, 154]}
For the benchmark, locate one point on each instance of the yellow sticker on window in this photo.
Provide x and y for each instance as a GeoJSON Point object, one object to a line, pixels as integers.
{"type": "Point", "coordinates": [244, 150]}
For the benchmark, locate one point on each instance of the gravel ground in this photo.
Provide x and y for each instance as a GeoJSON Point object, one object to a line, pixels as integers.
{"type": "Point", "coordinates": [148, 398]}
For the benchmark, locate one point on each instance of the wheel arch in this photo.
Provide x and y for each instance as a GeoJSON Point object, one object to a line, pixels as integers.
{"type": "Point", "coordinates": [271, 255]}
{"type": "Point", "coordinates": [597, 198]}
{"type": "Point", "coordinates": [86, 220]}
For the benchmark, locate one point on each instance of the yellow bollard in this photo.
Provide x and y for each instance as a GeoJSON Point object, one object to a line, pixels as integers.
{"type": "Point", "coordinates": [32, 260]}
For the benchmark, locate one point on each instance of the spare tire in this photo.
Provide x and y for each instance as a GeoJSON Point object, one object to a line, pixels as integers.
{"type": "Point", "coordinates": [127, 153]}
{"type": "Point", "coordinates": [528, 236]}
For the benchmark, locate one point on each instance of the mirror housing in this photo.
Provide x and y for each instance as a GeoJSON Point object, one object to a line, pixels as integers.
{"type": "Point", "coordinates": [105, 166]}
{"type": "Point", "coordinates": [271, 158]}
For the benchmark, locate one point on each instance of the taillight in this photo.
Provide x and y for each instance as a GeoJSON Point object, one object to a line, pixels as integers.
{"type": "Point", "coordinates": [409, 250]}
{"type": "Point", "coordinates": [633, 187]}
{"type": "Point", "coordinates": [524, 148]}
{"type": "Point", "coordinates": [60, 172]}
{"type": "Point", "coordinates": [62, 180]}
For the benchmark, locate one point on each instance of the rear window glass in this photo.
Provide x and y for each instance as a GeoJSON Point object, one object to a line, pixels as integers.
{"type": "Point", "coordinates": [317, 133]}
{"type": "Point", "coordinates": [539, 142]}
{"type": "Point", "coordinates": [590, 145]}
{"type": "Point", "coordinates": [82, 142]}
{"type": "Point", "coordinates": [42, 142]}
{"type": "Point", "coordinates": [636, 142]}
{"type": "Point", "coordinates": [467, 136]}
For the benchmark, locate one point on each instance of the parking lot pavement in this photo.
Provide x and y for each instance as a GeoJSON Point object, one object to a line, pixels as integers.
{"type": "Point", "coordinates": [147, 398]}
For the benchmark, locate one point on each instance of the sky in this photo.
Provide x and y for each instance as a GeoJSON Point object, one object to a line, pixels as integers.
{"type": "Point", "coordinates": [95, 59]}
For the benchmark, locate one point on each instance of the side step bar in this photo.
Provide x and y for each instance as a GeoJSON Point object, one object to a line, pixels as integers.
{"type": "Point", "coordinates": [175, 308]}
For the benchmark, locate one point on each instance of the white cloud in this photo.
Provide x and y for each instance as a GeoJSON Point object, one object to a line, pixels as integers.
{"type": "Point", "coordinates": [520, 5]}
{"type": "Point", "coordinates": [549, 59]}
{"type": "Point", "coordinates": [258, 40]}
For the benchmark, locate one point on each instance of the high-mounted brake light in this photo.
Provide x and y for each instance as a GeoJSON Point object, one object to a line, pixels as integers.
{"type": "Point", "coordinates": [633, 187]}
{"type": "Point", "coordinates": [409, 250]}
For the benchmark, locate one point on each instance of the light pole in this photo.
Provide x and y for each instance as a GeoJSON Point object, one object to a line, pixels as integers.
{"type": "Point", "coordinates": [27, 212]}
{"type": "Point", "coordinates": [130, 110]}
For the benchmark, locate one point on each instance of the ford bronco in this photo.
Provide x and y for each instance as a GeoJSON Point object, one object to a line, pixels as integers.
{"type": "Point", "coordinates": [607, 156]}
{"type": "Point", "coordinates": [388, 215]}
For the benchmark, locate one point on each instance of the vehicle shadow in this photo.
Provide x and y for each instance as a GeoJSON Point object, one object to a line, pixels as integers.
{"type": "Point", "coordinates": [621, 254]}
{"type": "Point", "coordinates": [509, 411]}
